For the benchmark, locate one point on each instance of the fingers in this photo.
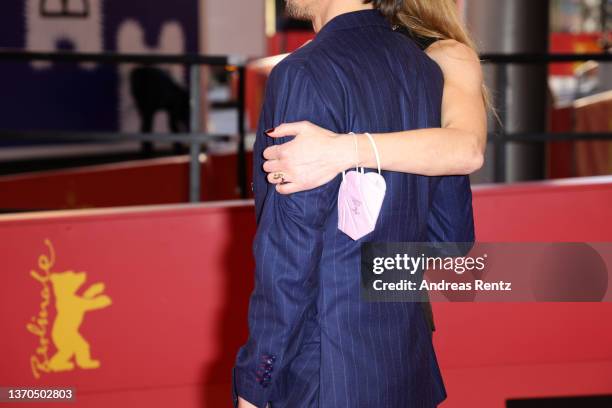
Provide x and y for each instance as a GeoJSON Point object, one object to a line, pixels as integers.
{"type": "Point", "coordinates": [274, 155]}
{"type": "Point", "coordinates": [278, 177]}
{"type": "Point", "coordinates": [270, 166]}
{"type": "Point", "coordinates": [289, 129]}
{"type": "Point", "coordinates": [288, 188]}
{"type": "Point", "coordinates": [272, 152]}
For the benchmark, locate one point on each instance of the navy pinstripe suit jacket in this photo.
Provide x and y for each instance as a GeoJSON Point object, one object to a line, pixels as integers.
{"type": "Point", "coordinates": [313, 342]}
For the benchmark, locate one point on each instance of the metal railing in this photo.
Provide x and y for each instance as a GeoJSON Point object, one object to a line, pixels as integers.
{"type": "Point", "coordinates": [500, 137]}
{"type": "Point", "coordinates": [195, 138]}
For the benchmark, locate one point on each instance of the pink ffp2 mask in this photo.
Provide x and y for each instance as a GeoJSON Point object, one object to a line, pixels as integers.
{"type": "Point", "coordinates": [360, 199]}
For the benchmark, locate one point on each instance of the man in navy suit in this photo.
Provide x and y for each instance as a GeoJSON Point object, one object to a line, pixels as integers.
{"type": "Point", "coordinates": [313, 342]}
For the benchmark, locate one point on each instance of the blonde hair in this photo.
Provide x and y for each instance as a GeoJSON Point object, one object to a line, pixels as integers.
{"type": "Point", "coordinates": [438, 19]}
{"type": "Point", "coordinates": [434, 18]}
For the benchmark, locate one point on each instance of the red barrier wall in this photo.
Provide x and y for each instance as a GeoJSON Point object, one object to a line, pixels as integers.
{"type": "Point", "coordinates": [178, 279]}
{"type": "Point", "coordinates": [490, 352]}
{"type": "Point", "coordinates": [138, 182]}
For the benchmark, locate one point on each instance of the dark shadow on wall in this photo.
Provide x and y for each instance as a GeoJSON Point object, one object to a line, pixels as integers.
{"type": "Point", "coordinates": [231, 324]}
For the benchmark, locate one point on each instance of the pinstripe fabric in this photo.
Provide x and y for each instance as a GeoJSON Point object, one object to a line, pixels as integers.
{"type": "Point", "coordinates": [313, 342]}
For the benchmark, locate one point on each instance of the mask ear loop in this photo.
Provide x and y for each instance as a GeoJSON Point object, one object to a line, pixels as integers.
{"type": "Point", "coordinates": [356, 155]}
{"type": "Point", "coordinates": [371, 139]}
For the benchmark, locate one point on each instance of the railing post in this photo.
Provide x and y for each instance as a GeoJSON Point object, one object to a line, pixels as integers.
{"type": "Point", "coordinates": [500, 142]}
{"type": "Point", "coordinates": [242, 171]}
{"type": "Point", "coordinates": [517, 27]}
{"type": "Point", "coordinates": [194, 147]}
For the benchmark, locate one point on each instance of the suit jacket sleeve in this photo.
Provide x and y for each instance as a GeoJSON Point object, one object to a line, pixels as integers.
{"type": "Point", "coordinates": [287, 248]}
{"type": "Point", "coordinates": [451, 221]}
{"type": "Point", "coordinates": [451, 218]}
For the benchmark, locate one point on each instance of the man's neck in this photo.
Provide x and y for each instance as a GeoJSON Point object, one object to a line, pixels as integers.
{"type": "Point", "coordinates": [333, 8]}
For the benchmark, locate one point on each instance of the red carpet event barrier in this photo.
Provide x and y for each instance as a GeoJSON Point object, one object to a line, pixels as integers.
{"type": "Point", "coordinates": [146, 306]}
{"type": "Point", "coordinates": [139, 182]}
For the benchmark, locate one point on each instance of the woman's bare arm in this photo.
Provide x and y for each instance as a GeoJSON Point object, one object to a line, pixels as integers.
{"type": "Point", "coordinates": [456, 148]}
{"type": "Point", "coordinates": [316, 155]}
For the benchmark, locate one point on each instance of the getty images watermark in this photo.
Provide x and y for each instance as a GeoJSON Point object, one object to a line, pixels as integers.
{"type": "Point", "coordinates": [486, 272]}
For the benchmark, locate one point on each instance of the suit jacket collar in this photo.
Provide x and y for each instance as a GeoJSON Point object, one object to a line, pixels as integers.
{"type": "Point", "coordinates": [354, 19]}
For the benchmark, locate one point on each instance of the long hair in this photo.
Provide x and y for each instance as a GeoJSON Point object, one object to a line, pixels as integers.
{"type": "Point", "coordinates": [439, 19]}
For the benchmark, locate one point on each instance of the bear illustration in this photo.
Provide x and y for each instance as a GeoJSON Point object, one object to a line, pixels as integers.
{"type": "Point", "coordinates": [71, 309]}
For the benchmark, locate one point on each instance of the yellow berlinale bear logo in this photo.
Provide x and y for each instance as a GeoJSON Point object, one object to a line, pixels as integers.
{"type": "Point", "coordinates": [70, 310]}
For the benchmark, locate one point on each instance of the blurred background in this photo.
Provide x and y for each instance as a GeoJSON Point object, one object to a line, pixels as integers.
{"type": "Point", "coordinates": [126, 130]}
{"type": "Point", "coordinates": [133, 69]}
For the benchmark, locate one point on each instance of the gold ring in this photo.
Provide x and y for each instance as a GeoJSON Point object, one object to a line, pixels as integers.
{"type": "Point", "coordinates": [280, 176]}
